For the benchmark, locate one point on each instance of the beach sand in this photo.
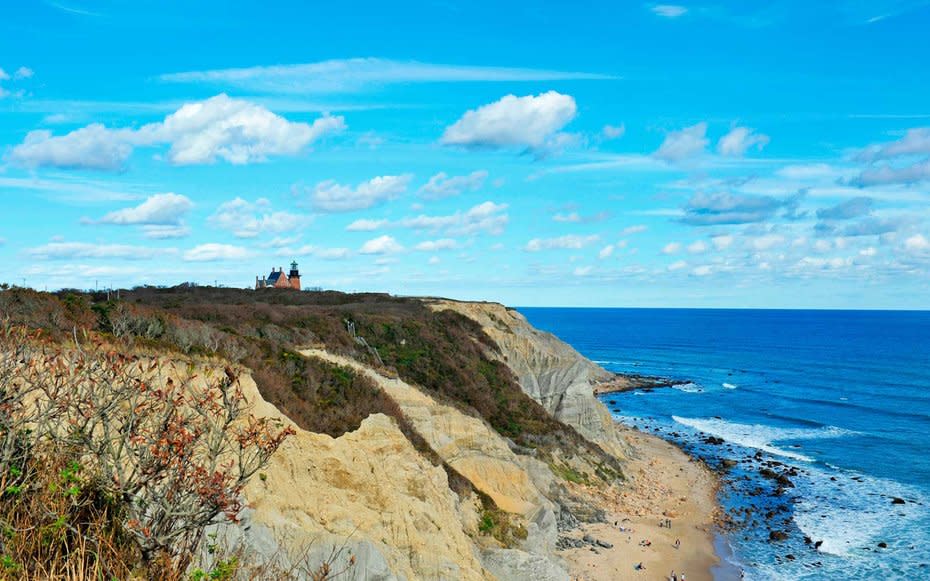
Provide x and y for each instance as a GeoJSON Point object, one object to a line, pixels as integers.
{"type": "Point", "coordinates": [663, 482]}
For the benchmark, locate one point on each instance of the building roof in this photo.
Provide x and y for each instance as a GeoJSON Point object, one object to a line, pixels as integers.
{"type": "Point", "coordinates": [273, 277]}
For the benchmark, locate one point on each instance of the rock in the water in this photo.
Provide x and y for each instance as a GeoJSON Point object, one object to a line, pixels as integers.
{"type": "Point", "coordinates": [777, 536]}
{"type": "Point", "coordinates": [897, 500]}
{"type": "Point", "coordinates": [883, 545]}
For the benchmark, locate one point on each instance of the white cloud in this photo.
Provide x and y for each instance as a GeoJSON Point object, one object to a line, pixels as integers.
{"type": "Point", "coordinates": [330, 196]}
{"type": "Point", "coordinates": [315, 251]}
{"type": "Point", "coordinates": [697, 247]}
{"type": "Point", "coordinates": [530, 122]}
{"type": "Point", "coordinates": [613, 131]}
{"type": "Point", "coordinates": [573, 217]}
{"type": "Point", "coordinates": [366, 225]}
{"type": "Point", "coordinates": [159, 210]}
{"type": "Point", "coordinates": [705, 209]}
{"type": "Point", "coordinates": [671, 248]}
{"type": "Point", "coordinates": [280, 241]}
{"type": "Point", "coordinates": [166, 232]}
{"type": "Point", "coordinates": [576, 218]}
{"type": "Point", "coordinates": [915, 142]}
{"type": "Point", "coordinates": [355, 74]}
{"type": "Point", "coordinates": [739, 140]}
{"type": "Point", "coordinates": [76, 250]}
{"type": "Point", "coordinates": [766, 241]}
{"type": "Point", "coordinates": [220, 127]}
{"type": "Point", "coordinates": [487, 217]}
{"type": "Point", "coordinates": [887, 174]}
{"type": "Point", "coordinates": [917, 243]}
{"type": "Point", "coordinates": [606, 252]}
{"type": "Point", "coordinates": [818, 263]}
{"type": "Point", "coordinates": [213, 251]}
{"type": "Point", "coordinates": [436, 245]}
{"type": "Point", "coordinates": [669, 10]}
{"type": "Point", "coordinates": [381, 245]}
{"type": "Point", "coordinates": [442, 185]}
{"type": "Point", "coordinates": [247, 219]}
{"type": "Point", "coordinates": [90, 147]}
{"type": "Point", "coordinates": [677, 265]}
{"type": "Point", "coordinates": [583, 270]}
{"type": "Point", "coordinates": [808, 171]}
{"type": "Point", "coordinates": [722, 242]}
{"type": "Point", "coordinates": [683, 144]}
{"type": "Point", "coordinates": [570, 241]}
{"type": "Point", "coordinates": [702, 270]}
{"type": "Point", "coordinates": [848, 209]}
{"type": "Point", "coordinates": [868, 251]}
{"type": "Point", "coordinates": [636, 229]}
{"type": "Point", "coordinates": [234, 130]}
{"type": "Point", "coordinates": [20, 74]}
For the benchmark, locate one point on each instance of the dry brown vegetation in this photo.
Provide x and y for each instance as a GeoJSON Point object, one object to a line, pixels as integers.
{"type": "Point", "coordinates": [444, 352]}
{"type": "Point", "coordinates": [108, 469]}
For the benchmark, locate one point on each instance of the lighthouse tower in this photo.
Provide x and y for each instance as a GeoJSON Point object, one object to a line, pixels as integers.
{"type": "Point", "coordinates": [293, 277]}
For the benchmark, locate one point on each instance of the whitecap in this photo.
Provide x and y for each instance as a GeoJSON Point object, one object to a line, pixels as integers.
{"type": "Point", "coordinates": [729, 385]}
{"type": "Point", "coordinates": [858, 512]}
{"type": "Point", "coordinates": [688, 387]}
{"type": "Point", "coordinates": [761, 437]}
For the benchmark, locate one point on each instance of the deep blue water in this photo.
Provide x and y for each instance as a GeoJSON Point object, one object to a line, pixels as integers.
{"type": "Point", "coordinates": [840, 397]}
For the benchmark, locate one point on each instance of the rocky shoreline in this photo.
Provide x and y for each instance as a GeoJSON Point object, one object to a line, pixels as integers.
{"type": "Point", "coordinates": [622, 382]}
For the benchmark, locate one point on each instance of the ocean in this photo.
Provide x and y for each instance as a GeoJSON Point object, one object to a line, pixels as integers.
{"type": "Point", "coordinates": [836, 401]}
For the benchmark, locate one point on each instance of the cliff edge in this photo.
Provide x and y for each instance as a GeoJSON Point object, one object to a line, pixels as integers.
{"type": "Point", "coordinates": [549, 370]}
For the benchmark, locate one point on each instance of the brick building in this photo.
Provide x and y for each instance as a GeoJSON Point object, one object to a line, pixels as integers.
{"type": "Point", "coordinates": [277, 279]}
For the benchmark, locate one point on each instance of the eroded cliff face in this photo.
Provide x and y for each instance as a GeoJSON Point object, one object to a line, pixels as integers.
{"type": "Point", "coordinates": [373, 487]}
{"type": "Point", "coordinates": [518, 484]}
{"type": "Point", "coordinates": [548, 370]}
{"type": "Point", "coordinates": [368, 491]}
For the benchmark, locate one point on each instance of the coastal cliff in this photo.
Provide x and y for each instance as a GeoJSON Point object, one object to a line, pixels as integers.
{"type": "Point", "coordinates": [432, 439]}
{"type": "Point", "coordinates": [548, 369]}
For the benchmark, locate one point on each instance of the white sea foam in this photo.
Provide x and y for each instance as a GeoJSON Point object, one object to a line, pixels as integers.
{"type": "Point", "coordinates": [759, 436]}
{"type": "Point", "coordinates": [688, 387]}
{"type": "Point", "coordinates": [729, 385]}
{"type": "Point", "coordinates": [851, 515]}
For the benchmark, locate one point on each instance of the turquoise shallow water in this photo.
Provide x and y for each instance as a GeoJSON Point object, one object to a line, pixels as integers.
{"type": "Point", "coordinates": [838, 400]}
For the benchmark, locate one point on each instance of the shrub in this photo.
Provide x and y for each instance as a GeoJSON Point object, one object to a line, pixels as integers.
{"type": "Point", "coordinates": [155, 459]}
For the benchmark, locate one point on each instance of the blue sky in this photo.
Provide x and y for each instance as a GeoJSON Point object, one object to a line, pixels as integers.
{"type": "Point", "coordinates": [585, 153]}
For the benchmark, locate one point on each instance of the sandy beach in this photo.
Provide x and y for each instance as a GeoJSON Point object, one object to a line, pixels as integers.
{"type": "Point", "coordinates": [664, 483]}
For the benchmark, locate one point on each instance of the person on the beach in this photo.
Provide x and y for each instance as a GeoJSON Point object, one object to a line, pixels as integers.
{"type": "Point", "coordinates": [677, 543]}
{"type": "Point", "coordinates": [674, 576]}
